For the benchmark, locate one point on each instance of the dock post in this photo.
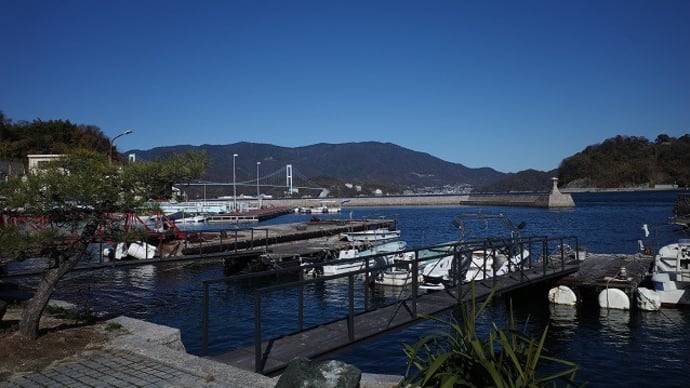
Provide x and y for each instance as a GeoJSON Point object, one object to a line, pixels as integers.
{"type": "Point", "coordinates": [351, 312]}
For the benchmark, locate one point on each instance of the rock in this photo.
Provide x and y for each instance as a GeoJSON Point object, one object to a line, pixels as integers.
{"type": "Point", "coordinates": [305, 373]}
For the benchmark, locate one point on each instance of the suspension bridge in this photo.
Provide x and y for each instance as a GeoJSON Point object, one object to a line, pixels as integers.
{"type": "Point", "coordinates": [286, 177]}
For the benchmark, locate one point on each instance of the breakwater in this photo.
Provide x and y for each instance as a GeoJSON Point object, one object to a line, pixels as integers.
{"type": "Point", "coordinates": [552, 199]}
{"type": "Point", "coordinates": [424, 200]}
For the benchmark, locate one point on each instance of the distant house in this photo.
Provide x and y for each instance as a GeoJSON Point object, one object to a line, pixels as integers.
{"type": "Point", "coordinates": [38, 161]}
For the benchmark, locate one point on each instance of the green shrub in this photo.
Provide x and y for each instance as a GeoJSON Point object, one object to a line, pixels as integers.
{"type": "Point", "coordinates": [113, 326]}
{"type": "Point", "coordinates": [505, 357]}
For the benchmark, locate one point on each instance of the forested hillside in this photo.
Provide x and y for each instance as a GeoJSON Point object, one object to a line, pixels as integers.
{"type": "Point", "coordinates": [47, 137]}
{"type": "Point", "coordinates": [528, 180]}
{"type": "Point", "coordinates": [629, 161]}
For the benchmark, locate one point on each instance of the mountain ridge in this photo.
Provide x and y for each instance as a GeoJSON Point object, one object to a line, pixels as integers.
{"type": "Point", "coordinates": [385, 164]}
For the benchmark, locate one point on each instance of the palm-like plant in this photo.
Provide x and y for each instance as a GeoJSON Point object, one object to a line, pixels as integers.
{"type": "Point", "coordinates": [505, 357]}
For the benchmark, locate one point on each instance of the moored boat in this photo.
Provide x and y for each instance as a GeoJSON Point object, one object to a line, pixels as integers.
{"type": "Point", "coordinates": [136, 250]}
{"type": "Point", "coordinates": [372, 235]}
{"type": "Point", "coordinates": [185, 218]}
{"type": "Point", "coordinates": [671, 274]}
{"type": "Point", "coordinates": [477, 263]}
{"type": "Point", "coordinates": [323, 207]}
{"type": "Point", "coordinates": [353, 259]}
{"type": "Point", "coordinates": [494, 262]}
{"type": "Point", "coordinates": [398, 271]}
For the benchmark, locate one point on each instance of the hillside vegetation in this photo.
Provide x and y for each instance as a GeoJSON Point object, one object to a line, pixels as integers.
{"type": "Point", "coordinates": [629, 161]}
{"type": "Point", "coordinates": [47, 137]}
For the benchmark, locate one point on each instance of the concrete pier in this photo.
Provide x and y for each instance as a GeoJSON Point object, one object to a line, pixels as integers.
{"type": "Point", "coordinates": [552, 199]}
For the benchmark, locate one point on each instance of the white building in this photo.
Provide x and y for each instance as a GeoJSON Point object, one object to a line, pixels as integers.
{"type": "Point", "coordinates": [38, 161]}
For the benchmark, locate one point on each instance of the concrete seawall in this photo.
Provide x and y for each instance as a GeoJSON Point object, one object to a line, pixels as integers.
{"type": "Point", "coordinates": [452, 200]}
{"type": "Point", "coordinates": [545, 200]}
{"type": "Point", "coordinates": [553, 199]}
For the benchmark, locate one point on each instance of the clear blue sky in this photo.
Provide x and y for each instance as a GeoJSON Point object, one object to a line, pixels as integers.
{"type": "Point", "coordinates": [510, 85]}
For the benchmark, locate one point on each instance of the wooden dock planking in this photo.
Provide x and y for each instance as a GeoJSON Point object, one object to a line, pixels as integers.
{"type": "Point", "coordinates": [321, 340]}
{"type": "Point", "coordinates": [600, 271]}
{"type": "Point", "coordinates": [284, 233]}
{"type": "Point", "coordinates": [284, 239]}
{"type": "Point", "coordinates": [255, 215]}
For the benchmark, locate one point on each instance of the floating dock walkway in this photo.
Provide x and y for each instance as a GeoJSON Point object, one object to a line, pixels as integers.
{"type": "Point", "coordinates": [238, 248]}
{"type": "Point", "coordinates": [271, 356]}
{"type": "Point", "coordinates": [588, 277]}
{"type": "Point", "coordinates": [602, 272]}
{"type": "Point", "coordinates": [255, 215]}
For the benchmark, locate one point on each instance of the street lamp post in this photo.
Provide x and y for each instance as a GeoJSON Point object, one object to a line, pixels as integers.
{"type": "Point", "coordinates": [258, 195]}
{"type": "Point", "coordinates": [112, 141]}
{"type": "Point", "coordinates": [234, 187]}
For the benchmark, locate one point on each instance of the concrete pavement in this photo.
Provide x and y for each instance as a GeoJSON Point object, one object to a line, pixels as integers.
{"type": "Point", "coordinates": [143, 354]}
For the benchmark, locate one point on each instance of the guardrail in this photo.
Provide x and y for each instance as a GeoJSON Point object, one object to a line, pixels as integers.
{"type": "Point", "coordinates": [553, 254]}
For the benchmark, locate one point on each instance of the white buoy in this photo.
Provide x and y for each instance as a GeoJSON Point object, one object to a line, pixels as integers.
{"type": "Point", "coordinates": [648, 300]}
{"type": "Point", "coordinates": [613, 298]}
{"type": "Point", "coordinates": [562, 295]}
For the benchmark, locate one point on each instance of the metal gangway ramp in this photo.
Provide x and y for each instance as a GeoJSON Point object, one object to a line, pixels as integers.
{"type": "Point", "coordinates": [271, 356]}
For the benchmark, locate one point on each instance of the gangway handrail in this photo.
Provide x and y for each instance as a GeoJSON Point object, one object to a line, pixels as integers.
{"type": "Point", "coordinates": [458, 248]}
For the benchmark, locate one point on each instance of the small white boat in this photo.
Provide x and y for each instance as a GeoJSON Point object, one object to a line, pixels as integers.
{"type": "Point", "coordinates": [398, 271]}
{"type": "Point", "coordinates": [482, 265]}
{"type": "Point", "coordinates": [137, 250]}
{"type": "Point", "coordinates": [671, 274]}
{"type": "Point", "coordinates": [338, 267]}
{"type": "Point", "coordinates": [323, 207]}
{"type": "Point", "coordinates": [187, 218]}
{"type": "Point", "coordinates": [437, 273]}
{"type": "Point", "coordinates": [372, 235]}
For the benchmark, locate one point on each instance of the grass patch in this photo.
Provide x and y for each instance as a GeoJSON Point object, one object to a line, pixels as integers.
{"type": "Point", "coordinates": [113, 326]}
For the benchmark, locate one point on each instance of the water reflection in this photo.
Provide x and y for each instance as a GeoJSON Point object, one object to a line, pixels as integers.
{"type": "Point", "coordinates": [615, 325]}
{"type": "Point", "coordinates": [563, 318]}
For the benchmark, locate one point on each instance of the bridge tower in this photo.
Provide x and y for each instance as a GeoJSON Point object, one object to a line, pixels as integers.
{"type": "Point", "coordinates": [288, 176]}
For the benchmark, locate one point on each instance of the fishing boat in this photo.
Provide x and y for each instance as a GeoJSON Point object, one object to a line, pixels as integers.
{"type": "Point", "coordinates": [398, 271]}
{"type": "Point", "coordinates": [439, 272]}
{"type": "Point", "coordinates": [372, 235]}
{"type": "Point", "coordinates": [323, 207]}
{"type": "Point", "coordinates": [186, 218]}
{"type": "Point", "coordinates": [493, 262]}
{"type": "Point", "coordinates": [671, 274]}
{"type": "Point", "coordinates": [473, 262]}
{"type": "Point", "coordinates": [353, 259]}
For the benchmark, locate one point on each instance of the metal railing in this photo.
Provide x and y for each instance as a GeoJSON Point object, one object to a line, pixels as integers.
{"type": "Point", "coordinates": [553, 254]}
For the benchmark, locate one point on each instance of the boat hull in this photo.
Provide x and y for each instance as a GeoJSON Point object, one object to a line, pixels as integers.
{"type": "Point", "coordinates": [671, 274]}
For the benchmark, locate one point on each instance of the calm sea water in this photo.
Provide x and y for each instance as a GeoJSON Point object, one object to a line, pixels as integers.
{"type": "Point", "coordinates": [612, 348]}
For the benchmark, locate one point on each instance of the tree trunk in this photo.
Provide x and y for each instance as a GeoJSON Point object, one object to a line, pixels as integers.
{"type": "Point", "coordinates": [31, 316]}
